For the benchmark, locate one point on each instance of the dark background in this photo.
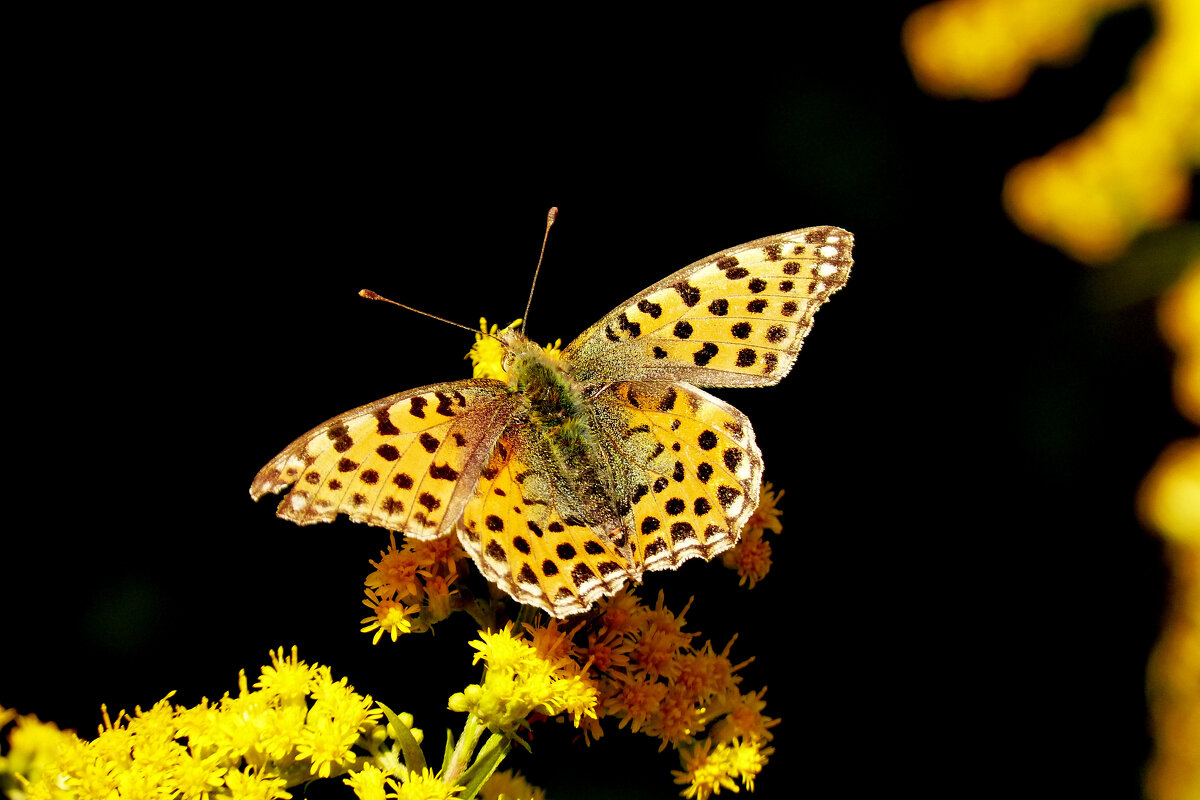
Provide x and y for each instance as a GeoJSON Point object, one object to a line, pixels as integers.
{"type": "Point", "coordinates": [962, 600]}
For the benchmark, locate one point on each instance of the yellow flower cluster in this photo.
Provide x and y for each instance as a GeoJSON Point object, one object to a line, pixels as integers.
{"type": "Point", "coordinates": [521, 681]}
{"type": "Point", "coordinates": [1169, 500]}
{"type": "Point", "coordinates": [413, 581]}
{"type": "Point", "coordinates": [1129, 172]}
{"type": "Point", "coordinates": [296, 723]}
{"type": "Point", "coordinates": [707, 770]}
{"type": "Point", "coordinates": [987, 48]}
{"type": "Point", "coordinates": [651, 678]}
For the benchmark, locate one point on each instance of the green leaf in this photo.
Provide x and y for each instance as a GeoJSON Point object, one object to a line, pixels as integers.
{"type": "Point", "coordinates": [490, 756]}
{"type": "Point", "coordinates": [449, 751]}
{"type": "Point", "coordinates": [414, 759]}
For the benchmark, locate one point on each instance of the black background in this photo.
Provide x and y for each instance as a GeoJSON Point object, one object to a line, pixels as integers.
{"type": "Point", "coordinates": [962, 600]}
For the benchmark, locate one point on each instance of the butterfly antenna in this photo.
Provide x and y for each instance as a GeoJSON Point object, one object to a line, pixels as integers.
{"type": "Point", "coordinates": [367, 293]}
{"type": "Point", "coordinates": [549, 221]}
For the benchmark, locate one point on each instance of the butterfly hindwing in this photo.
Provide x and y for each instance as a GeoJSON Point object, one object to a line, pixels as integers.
{"type": "Point", "coordinates": [692, 464]}
{"type": "Point", "coordinates": [519, 528]}
{"type": "Point", "coordinates": [406, 462]}
{"type": "Point", "coordinates": [736, 318]}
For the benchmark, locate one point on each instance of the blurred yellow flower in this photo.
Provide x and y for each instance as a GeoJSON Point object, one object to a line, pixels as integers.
{"type": "Point", "coordinates": [1169, 501]}
{"type": "Point", "coordinates": [1130, 171]}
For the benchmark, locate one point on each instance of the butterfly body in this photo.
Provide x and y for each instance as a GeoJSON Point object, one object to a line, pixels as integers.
{"type": "Point", "coordinates": [583, 470]}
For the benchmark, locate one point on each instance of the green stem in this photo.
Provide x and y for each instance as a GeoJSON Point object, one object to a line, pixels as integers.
{"type": "Point", "coordinates": [463, 750]}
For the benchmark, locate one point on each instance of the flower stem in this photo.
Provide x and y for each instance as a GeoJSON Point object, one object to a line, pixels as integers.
{"type": "Point", "coordinates": [463, 750]}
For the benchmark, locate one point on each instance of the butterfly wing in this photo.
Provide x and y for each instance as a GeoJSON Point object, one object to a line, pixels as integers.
{"type": "Point", "coordinates": [736, 318]}
{"type": "Point", "coordinates": [688, 464]}
{"type": "Point", "coordinates": [524, 529]}
{"type": "Point", "coordinates": [407, 462]}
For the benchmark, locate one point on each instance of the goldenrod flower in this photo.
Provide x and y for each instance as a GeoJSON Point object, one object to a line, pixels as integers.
{"type": "Point", "coordinates": [487, 354]}
{"type": "Point", "coordinates": [751, 558]}
{"type": "Point", "coordinates": [510, 785]}
{"type": "Point", "coordinates": [288, 678]}
{"type": "Point", "coordinates": [619, 612]}
{"type": "Point", "coordinates": [370, 783]}
{"type": "Point", "coordinates": [707, 770]}
{"type": "Point", "coordinates": [425, 786]}
{"type": "Point", "coordinates": [766, 516]}
{"type": "Point", "coordinates": [607, 651]}
{"type": "Point", "coordinates": [744, 718]}
{"type": "Point", "coordinates": [677, 718]}
{"type": "Point", "coordinates": [636, 700]}
{"type": "Point", "coordinates": [251, 784]}
{"type": "Point", "coordinates": [391, 617]}
{"type": "Point", "coordinates": [446, 551]}
{"type": "Point", "coordinates": [549, 642]}
{"type": "Point", "coordinates": [519, 682]}
{"type": "Point", "coordinates": [395, 574]}
{"type": "Point", "coordinates": [254, 745]}
{"type": "Point", "coordinates": [438, 596]}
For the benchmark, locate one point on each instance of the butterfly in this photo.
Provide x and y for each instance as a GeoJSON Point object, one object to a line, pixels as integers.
{"type": "Point", "coordinates": [586, 469]}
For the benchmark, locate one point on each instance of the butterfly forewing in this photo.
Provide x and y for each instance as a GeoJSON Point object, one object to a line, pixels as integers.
{"type": "Point", "coordinates": [736, 318]}
{"type": "Point", "coordinates": [399, 463]}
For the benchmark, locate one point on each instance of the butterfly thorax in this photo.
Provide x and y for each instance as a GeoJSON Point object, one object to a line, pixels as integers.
{"type": "Point", "coordinates": [555, 412]}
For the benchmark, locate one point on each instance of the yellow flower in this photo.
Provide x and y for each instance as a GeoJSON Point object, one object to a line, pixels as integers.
{"type": "Point", "coordinates": [425, 786]}
{"type": "Point", "coordinates": [509, 785]}
{"type": "Point", "coordinates": [255, 745]}
{"type": "Point", "coordinates": [744, 718]}
{"type": "Point", "coordinates": [766, 516]}
{"type": "Point", "coordinates": [1179, 319]}
{"type": "Point", "coordinates": [438, 600]}
{"type": "Point", "coordinates": [1169, 500]}
{"type": "Point", "coordinates": [288, 678]}
{"type": "Point", "coordinates": [677, 717]}
{"type": "Point", "coordinates": [619, 612]}
{"type": "Point", "coordinates": [395, 574]}
{"type": "Point", "coordinates": [707, 770]}
{"type": "Point", "coordinates": [390, 616]}
{"type": "Point", "coordinates": [549, 642]}
{"type": "Point", "coordinates": [607, 651]}
{"type": "Point", "coordinates": [253, 785]}
{"type": "Point", "coordinates": [636, 701]}
{"type": "Point", "coordinates": [369, 783]}
{"type": "Point", "coordinates": [35, 749]}
{"type": "Point", "coordinates": [751, 557]}
{"type": "Point", "coordinates": [446, 551]}
{"type": "Point", "coordinates": [487, 354]}
{"type": "Point", "coordinates": [1128, 172]}
{"type": "Point", "coordinates": [660, 638]}
{"type": "Point", "coordinates": [519, 682]}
